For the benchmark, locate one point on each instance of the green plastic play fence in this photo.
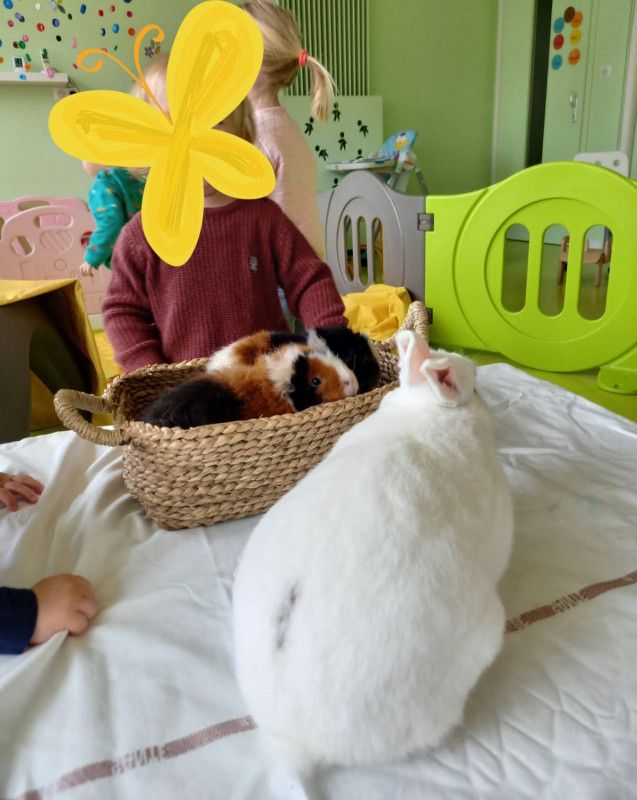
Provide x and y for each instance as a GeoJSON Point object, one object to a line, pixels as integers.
{"type": "Point", "coordinates": [464, 271]}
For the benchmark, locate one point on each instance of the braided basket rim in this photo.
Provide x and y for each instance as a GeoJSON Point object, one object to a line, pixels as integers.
{"type": "Point", "coordinates": [137, 432]}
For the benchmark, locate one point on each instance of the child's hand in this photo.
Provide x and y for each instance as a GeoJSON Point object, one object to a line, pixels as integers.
{"type": "Point", "coordinates": [86, 269]}
{"type": "Point", "coordinates": [65, 603]}
{"type": "Point", "coordinates": [15, 487]}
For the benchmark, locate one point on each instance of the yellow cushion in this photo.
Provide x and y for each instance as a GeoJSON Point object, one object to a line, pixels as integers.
{"type": "Point", "coordinates": [378, 311]}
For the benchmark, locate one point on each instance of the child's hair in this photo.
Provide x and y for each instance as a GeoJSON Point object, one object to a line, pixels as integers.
{"type": "Point", "coordinates": [242, 118]}
{"type": "Point", "coordinates": [283, 54]}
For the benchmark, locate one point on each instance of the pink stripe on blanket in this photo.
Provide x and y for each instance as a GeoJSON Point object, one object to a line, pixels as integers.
{"type": "Point", "coordinates": [140, 758]}
{"type": "Point", "coordinates": [151, 755]}
{"type": "Point", "coordinates": [567, 602]}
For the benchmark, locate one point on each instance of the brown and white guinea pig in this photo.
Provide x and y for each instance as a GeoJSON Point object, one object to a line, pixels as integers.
{"type": "Point", "coordinates": [291, 378]}
{"type": "Point", "coordinates": [354, 349]}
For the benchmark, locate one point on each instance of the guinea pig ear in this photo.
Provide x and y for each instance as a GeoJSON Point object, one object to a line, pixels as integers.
{"type": "Point", "coordinates": [413, 350]}
{"type": "Point", "coordinates": [451, 379]}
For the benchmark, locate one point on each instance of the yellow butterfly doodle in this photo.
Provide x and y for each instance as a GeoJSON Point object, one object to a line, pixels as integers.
{"type": "Point", "coordinates": [213, 64]}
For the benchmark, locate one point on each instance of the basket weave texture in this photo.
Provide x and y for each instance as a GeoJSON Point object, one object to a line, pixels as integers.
{"type": "Point", "coordinates": [185, 478]}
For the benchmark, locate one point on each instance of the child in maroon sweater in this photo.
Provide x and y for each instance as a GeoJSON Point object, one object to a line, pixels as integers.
{"type": "Point", "coordinates": [155, 313]}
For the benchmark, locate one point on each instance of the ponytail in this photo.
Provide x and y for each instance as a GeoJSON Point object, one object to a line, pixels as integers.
{"type": "Point", "coordinates": [283, 54]}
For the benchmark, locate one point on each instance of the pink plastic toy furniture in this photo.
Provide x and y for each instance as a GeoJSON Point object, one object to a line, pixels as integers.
{"type": "Point", "coordinates": [44, 239]}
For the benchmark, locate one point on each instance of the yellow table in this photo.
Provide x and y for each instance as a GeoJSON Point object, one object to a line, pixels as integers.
{"type": "Point", "coordinates": [47, 344]}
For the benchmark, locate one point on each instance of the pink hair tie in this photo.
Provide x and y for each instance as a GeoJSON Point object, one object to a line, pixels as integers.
{"type": "Point", "coordinates": [303, 58]}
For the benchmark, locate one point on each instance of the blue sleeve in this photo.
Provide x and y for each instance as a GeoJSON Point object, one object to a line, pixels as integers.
{"type": "Point", "coordinates": [18, 613]}
{"type": "Point", "coordinates": [109, 220]}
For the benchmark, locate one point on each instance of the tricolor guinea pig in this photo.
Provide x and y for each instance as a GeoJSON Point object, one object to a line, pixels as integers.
{"type": "Point", "coordinates": [354, 349]}
{"type": "Point", "coordinates": [291, 378]}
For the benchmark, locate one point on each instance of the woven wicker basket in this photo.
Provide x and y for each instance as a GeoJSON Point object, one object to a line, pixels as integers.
{"type": "Point", "coordinates": [184, 478]}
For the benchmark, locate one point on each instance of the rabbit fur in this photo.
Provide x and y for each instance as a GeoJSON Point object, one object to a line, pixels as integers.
{"type": "Point", "coordinates": [365, 604]}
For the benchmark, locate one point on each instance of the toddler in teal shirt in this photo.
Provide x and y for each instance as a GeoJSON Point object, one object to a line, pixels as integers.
{"type": "Point", "coordinates": [114, 198]}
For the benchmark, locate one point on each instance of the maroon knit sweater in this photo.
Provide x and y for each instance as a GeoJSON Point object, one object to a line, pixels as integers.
{"type": "Point", "coordinates": [155, 313]}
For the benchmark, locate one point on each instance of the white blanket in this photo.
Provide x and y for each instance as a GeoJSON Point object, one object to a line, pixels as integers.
{"type": "Point", "coordinates": [145, 703]}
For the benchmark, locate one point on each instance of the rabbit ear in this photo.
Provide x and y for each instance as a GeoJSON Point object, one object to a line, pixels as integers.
{"type": "Point", "coordinates": [451, 380]}
{"type": "Point", "coordinates": [413, 350]}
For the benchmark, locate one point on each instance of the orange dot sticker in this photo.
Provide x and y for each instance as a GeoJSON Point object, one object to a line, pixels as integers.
{"type": "Point", "coordinates": [575, 36]}
{"type": "Point", "coordinates": [574, 56]}
{"type": "Point", "coordinates": [577, 19]}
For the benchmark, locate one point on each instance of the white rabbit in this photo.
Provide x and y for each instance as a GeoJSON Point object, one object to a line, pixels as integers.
{"type": "Point", "coordinates": [365, 604]}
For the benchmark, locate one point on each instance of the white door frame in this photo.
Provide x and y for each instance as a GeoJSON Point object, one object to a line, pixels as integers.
{"type": "Point", "coordinates": [629, 114]}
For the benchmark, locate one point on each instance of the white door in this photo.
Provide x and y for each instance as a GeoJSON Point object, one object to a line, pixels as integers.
{"type": "Point", "coordinates": [586, 76]}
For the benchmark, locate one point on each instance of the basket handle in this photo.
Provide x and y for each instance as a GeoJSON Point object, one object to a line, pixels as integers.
{"type": "Point", "coordinates": [67, 403]}
{"type": "Point", "coordinates": [417, 319]}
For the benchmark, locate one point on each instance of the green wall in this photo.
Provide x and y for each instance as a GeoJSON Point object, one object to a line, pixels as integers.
{"type": "Point", "coordinates": [433, 63]}
{"type": "Point", "coordinates": [515, 47]}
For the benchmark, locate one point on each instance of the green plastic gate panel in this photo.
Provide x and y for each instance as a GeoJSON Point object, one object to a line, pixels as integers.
{"type": "Point", "coordinates": [464, 271]}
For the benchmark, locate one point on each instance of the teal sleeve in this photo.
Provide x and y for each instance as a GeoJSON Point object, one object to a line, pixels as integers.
{"type": "Point", "coordinates": [109, 220]}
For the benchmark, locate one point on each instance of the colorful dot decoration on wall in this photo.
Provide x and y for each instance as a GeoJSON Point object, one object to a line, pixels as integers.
{"type": "Point", "coordinates": [574, 18]}
{"type": "Point", "coordinates": [114, 25]}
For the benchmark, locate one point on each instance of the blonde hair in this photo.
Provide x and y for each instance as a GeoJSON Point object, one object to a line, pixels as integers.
{"type": "Point", "coordinates": [241, 119]}
{"type": "Point", "coordinates": [282, 50]}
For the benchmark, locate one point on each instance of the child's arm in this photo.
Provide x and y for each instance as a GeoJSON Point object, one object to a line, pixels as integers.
{"type": "Point", "coordinates": [128, 318]}
{"type": "Point", "coordinates": [308, 283]}
{"type": "Point", "coordinates": [18, 487]}
{"type": "Point", "coordinates": [31, 616]}
{"type": "Point", "coordinates": [109, 220]}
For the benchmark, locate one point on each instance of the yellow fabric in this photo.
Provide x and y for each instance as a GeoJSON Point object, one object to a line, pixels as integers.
{"type": "Point", "coordinates": [378, 311]}
{"type": "Point", "coordinates": [107, 356]}
{"type": "Point", "coordinates": [42, 411]}
{"type": "Point", "coordinates": [66, 307]}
